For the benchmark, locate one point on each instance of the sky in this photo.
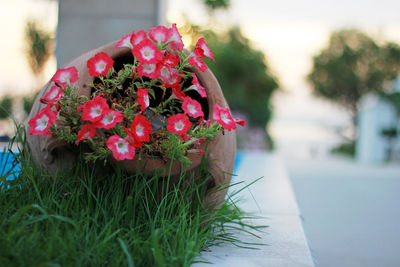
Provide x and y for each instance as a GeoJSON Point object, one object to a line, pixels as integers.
{"type": "Point", "coordinates": [289, 32]}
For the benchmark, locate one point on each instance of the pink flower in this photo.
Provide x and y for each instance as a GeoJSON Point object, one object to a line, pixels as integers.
{"type": "Point", "coordinates": [240, 122]}
{"type": "Point", "coordinates": [202, 49]}
{"type": "Point", "coordinates": [165, 73]}
{"type": "Point", "coordinates": [174, 38]}
{"type": "Point", "coordinates": [224, 117]}
{"type": "Point", "coordinates": [168, 75]}
{"type": "Point", "coordinates": [179, 124]}
{"type": "Point", "coordinates": [94, 109]}
{"type": "Point", "coordinates": [99, 64]}
{"type": "Point", "coordinates": [170, 61]}
{"type": "Point", "coordinates": [141, 128]}
{"type": "Point", "coordinates": [147, 52]}
{"type": "Point", "coordinates": [197, 86]}
{"type": "Point", "coordinates": [109, 119]}
{"type": "Point", "coordinates": [143, 98]}
{"type": "Point", "coordinates": [149, 70]}
{"type": "Point", "coordinates": [195, 60]}
{"type": "Point", "coordinates": [65, 76]}
{"type": "Point", "coordinates": [138, 37]}
{"type": "Point", "coordinates": [192, 107]}
{"type": "Point", "coordinates": [53, 95]}
{"type": "Point", "coordinates": [159, 34]}
{"type": "Point", "coordinates": [85, 132]}
{"type": "Point", "coordinates": [121, 149]}
{"type": "Point", "coordinates": [42, 121]}
{"type": "Point", "coordinates": [125, 41]}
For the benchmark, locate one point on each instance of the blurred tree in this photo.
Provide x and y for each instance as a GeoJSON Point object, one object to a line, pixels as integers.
{"type": "Point", "coordinates": [243, 74]}
{"type": "Point", "coordinates": [217, 4]}
{"type": "Point", "coordinates": [5, 107]}
{"type": "Point", "coordinates": [351, 66]}
{"type": "Point", "coordinates": [39, 48]}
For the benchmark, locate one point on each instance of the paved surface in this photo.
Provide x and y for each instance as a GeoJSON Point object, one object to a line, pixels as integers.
{"type": "Point", "coordinates": [351, 211]}
{"type": "Point", "coordinates": [272, 198]}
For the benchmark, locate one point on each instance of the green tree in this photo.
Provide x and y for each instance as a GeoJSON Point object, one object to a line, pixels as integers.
{"type": "Point", "coordinates": [5, 107]}
{"type": "Point", "coordinates": [351, 66]}
{"type": "Point", "coordinates": [39, 48]}
{"type": "Point", "coordinates": [212, 5]}
{"type": "Point", "coordinates": [243, 74]}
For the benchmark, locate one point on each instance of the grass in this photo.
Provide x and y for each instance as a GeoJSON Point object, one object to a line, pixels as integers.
{"type": "Point", "coordinates": [102, 216]}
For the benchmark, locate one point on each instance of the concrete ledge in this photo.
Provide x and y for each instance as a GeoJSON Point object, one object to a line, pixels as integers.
{"type": "Point", "coordinates": [271, 198]}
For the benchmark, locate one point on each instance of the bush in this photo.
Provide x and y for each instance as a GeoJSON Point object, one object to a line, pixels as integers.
{"type": "Point", "coordinates": [5, 107]}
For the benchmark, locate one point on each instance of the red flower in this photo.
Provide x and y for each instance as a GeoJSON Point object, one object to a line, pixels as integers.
{"type": "Point", "coordinates": [170, 61]}
{"type": "Point", "coordinates": [141, 128]}
{"type": "Point", "coordinates": [192, 107]}
{"type": "Point", "coordinates": [240, 122]}
{"type": "Point", "coordinates": [138, 37]}
{"type": "Point", "coordinates": [85, 132]}
{"type": "Point", "coordinates": [149, 70]}
{"type": "Point", "coordinates": [53, 95]}
{"type": "Point", "coordinates": [147, 52]}
{"type": "Point", "coordinates": [159, 34]}
{"type": "Point", "coordinates": [174, 38]}
{"type": "Point", "coordinates": [224, 117]}
{"type": "Point", "coordinates": [99, 64]}
{"type": "Point", "coordinates": [197, 86]}
{"type": "Point", "coordinates": [195, 60]}
{"type": "Point", "coordinates": [109, 119]}
{"type": "Point", "coordinates": [41, 122]}
{"type": "Point", "coordinates": [177, 91]}
{"type": "Point", "coordinates": [143, 98]}
{"type": "Point", "coordinates": [94, 109]}
{"type": "Point", "coordinates": [131, 138]}
{"type": "Point", "coordinates": [65, 76]}
{"type": "Point", "coordinates": [120, 148]}
{"type": "Point", "coordinates": [125, 41]}
{"type": "Point", "coordinates": [179, 124]}
{"type": "Point", "coordinates": [202, 49]}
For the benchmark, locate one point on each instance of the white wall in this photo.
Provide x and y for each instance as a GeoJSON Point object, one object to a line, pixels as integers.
{"type": "Point", "coordinates": [375, 114]}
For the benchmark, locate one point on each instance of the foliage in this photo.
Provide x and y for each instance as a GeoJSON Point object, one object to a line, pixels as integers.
{"type": "Point", "coordinates": [39, 46]}
{"type": "Point", "coordinates": [217, 4]}
{"type": "Point", "coordinates": [244, 75]}
{"type": "Point", "coordinates": [5, 107]}
{"type": "Point", "coordinates": [351, 66]}
{"type": "Point", "coordinates": [347, 149]}
{"type": "Point", "coordinates": [103, 216]}
{"type": "Point", "coordinates": [394, 99]}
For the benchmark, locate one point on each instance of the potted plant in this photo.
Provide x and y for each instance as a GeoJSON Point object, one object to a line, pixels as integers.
{"type": "Point", "coordinates": [143, 101]}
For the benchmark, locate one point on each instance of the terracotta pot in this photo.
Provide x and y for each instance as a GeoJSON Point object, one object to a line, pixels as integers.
{"type": "Point", "coordinates": [56, 155]}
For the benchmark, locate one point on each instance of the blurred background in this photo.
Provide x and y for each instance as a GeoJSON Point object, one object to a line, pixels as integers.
{"type": "Point", "coordinates": [317, 82]}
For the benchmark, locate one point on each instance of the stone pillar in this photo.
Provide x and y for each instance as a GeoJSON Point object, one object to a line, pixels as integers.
{"type": "Point", "coordinates": [87, 24]}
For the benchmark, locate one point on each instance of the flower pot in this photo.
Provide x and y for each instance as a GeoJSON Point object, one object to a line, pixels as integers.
{"type": "Point", "coordinates": [56, 155]}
